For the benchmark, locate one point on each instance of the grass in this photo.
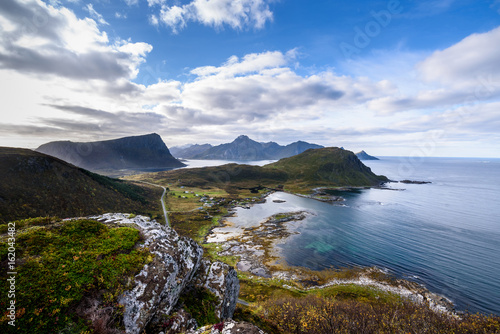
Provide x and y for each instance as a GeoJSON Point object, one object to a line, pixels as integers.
{"type": "Point", "coordinates": [211, 251]}
{"type": "Point", "coordinates": [60, 264]}
{"type": "Point", "coordinates": [260, 289]}
{"type": "Point", "coordinates": [27, 223]}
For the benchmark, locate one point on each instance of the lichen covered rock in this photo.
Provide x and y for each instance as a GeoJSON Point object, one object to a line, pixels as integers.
{"type": "Point", "coordinates": [157, 287]}
{"type": "Point", "coordinates": [222, 280]}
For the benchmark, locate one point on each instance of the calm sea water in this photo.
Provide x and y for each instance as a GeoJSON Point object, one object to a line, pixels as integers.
{"type": "Point", "coordinates": [445, 235]}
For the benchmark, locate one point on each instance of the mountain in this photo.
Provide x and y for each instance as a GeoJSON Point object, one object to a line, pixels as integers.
{"type": "Point", "coordinates": [324, 167]}
{"type": "Point", "coordinates": [33, 184]}
{"type": "Point", "coordinates": [365, 156]}
{"type": "Point", "coordinates": [244, 148]}
{"type": "Point", "coordinates": [296, 148]}
{"type": "Point", "coordinates": [330, 166]}
{"type": "Point", "coordinates": [147, 151]}
{"type": "Point", "coordinates": [188, 151]}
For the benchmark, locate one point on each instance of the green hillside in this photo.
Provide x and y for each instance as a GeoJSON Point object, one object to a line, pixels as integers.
{"type": "Point", "coordinates": [230, 177]}
{"type": "Point", "coordinates": [33, 184]}
{"type": "Point", "coordinates": [324, 167]}
{"type": "Point", "coordinates": [330, 167]}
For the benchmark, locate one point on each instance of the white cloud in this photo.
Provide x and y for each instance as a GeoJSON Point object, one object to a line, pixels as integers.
{"type": "Point", "coordinates": [95, 15]}
{"type": "Point", "coordinates": [250, 63]}
{"type": "Point", "coordinates": [58, 43]}
{"type": "Point", "coordinates": [476, 56]}
{"type": "Point", "coordinates": [174, 17]}
{"type": "Point", "coordinates": [262, 88]}
{"type": "Point", "coordinates": [153, 20]}
{"type": "Point", "coordinates": [131, 2]}
{"type": "Point", "coordinates": [67, 80]}
{"type": "Point", "coordinates": [465, 73]}
{"type": "Point", "coordinates": [119, 15]}
{"type": "Point", "coordinates": [238, 14]}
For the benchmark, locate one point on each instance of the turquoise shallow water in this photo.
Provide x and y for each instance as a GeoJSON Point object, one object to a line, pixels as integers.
{"type": "Point", "coordinates": [445, 235]}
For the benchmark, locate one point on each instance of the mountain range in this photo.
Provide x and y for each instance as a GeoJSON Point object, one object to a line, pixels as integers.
{"type": "Point", "coordinates": [138, 152]}
{"type": "Point", "coordinates": [242, 148]}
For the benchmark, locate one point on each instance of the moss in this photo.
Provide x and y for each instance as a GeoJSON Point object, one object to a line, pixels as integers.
{"type": "Point", "coordinates": [61, 263]}
{"type": "Point", "coordinates": [200, 303]}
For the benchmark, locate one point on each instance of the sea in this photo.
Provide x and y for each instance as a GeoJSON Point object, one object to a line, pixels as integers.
{"type": "Point", "coordinates": [444, 235]}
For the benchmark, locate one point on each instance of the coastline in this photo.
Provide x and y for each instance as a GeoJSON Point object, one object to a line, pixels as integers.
{"type": "Point", "coordinates": [260, 256]}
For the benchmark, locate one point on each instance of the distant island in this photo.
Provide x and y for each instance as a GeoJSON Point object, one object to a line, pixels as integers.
{"type": "Point", "coordinates": [365, 156]}
{"type": "Point", "coordinates": [137, 152]}
{"type": "Point", "coordinates": [242, 148]}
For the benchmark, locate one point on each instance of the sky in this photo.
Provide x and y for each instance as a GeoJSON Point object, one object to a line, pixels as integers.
{"type": "Point", "coordinates": [393, 78]}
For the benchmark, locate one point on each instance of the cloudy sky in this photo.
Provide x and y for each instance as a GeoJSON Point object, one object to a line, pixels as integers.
{"type": "Point", "coordinates": [391, 77]}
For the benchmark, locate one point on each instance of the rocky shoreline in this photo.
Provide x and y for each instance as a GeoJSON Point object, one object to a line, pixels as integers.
{"type": "Point", "coordinates": [259, 256]}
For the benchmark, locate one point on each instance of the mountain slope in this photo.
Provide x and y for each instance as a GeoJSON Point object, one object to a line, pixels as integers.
{"type": "Point", "coordinates": [365, 156]}
{"type": "Point", "coordinates": [190, 151]}
{"type": "Point", "coordinates": [148, 151]}
{"type": "Point", "coordinates": [244, 148]}
{"type": "Point", "coordinates": [296, 148]}
{"type": "Point", "coordinates": [33, 184]}
{"type": "Point", "coordinates": [330, 166]}
{"type": "Point", "coordinates": [324, 167]}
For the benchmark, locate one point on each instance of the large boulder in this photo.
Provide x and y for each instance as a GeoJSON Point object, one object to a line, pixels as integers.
{"type": "Point", "coordinates": [222, 280]}
{"type": "Point", "coordinates": [157, 287]}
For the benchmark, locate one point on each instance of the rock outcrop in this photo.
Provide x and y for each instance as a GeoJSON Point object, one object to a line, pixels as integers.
{"type": "Point", "coordinates": [177, 265]}
{"type": "Point", "coordinates": [158, 286]}
{"type": "Point", "coordinates": [222, 280]}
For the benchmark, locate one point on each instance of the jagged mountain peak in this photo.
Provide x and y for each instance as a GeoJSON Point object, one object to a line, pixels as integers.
{"type": "Point", "coordinates": [242, 138]}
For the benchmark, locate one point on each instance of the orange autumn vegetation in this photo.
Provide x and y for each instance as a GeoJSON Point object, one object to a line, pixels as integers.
{"type": "Point", "coordinates": [317, 315]}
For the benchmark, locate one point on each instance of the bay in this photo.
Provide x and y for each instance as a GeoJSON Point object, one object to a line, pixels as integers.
{"type": "Point", "coordinates": [444, 235]}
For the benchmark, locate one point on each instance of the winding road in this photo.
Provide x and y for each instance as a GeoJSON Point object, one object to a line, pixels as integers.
{"type": "Point", "coordinates": [162, 200]}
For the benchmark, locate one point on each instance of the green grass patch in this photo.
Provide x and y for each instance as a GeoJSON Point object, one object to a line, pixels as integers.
{"type": "Point", "coordinates": [26, 223]}
{"type": "Point", "coordinates": [211, 251]}
{"type": "Point", "coordinates": [359, 293]}
{"type": "Point", "coordinates": [261, 289]}
{"type": "Point", "coordinates": [59, 264]}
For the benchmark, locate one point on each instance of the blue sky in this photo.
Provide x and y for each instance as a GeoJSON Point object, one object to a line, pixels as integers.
{"type": "Point", "coordinates": [390, 77]}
